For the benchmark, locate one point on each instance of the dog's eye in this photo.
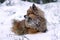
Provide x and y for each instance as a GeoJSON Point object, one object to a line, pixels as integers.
{"type": "Point", "coordinates": [29, 19]}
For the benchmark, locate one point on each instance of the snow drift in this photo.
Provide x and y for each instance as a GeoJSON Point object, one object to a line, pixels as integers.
{"type": "Point", "coordinates": [18, 10]}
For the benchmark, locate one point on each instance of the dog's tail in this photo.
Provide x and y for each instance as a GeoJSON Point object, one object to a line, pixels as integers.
{"type": "Point", "coordinates": [15, 26]}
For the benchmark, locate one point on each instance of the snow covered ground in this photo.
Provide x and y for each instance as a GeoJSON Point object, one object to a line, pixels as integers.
{"type": "Point", "coordinates": [18, 10]}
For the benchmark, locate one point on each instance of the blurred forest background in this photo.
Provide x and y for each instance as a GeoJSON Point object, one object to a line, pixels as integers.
{"type": "Point", "coordinates": [36, 1]}
{"type": "Point", "coordinates": [41, 1]}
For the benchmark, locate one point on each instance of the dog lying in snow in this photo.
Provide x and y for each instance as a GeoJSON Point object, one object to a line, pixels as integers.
{"type": "Point", "coordinates": [34, 22]}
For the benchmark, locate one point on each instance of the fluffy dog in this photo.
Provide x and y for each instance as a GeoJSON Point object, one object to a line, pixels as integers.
{"type": "Point", "coordinates": [34, 22]}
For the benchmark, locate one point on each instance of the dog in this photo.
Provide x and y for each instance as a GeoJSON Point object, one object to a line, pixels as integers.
{"type": "Point", "coordinates": [34, 22]}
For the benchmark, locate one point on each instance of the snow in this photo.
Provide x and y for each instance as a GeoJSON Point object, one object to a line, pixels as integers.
{"type": "Point", "coordinates": [18, 10]}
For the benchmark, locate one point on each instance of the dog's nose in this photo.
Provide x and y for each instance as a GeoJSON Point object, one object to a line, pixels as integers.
{"type": "Point", "coordinates": [24, 16]}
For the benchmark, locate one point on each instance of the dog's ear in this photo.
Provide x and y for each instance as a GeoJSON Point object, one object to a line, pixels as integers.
{"type": "Point", "coordinates": [34, 7]}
